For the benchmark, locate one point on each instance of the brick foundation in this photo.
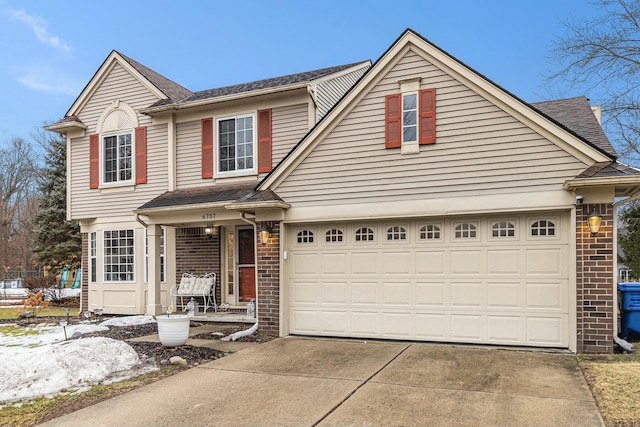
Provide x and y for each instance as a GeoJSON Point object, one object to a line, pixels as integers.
{"type": "Point", "coordinates": [268, 271]}
{"type": "Point", "coordinates": [594, 281]}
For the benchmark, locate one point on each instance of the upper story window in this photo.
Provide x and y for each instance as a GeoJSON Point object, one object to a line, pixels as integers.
{"type": "Point", "coordinates": [543, 228]}
{"type": "Point", "coordinates": [503, 229]}
{"type": "Point", "coordinates": [118, 164]}
{"type": "Point", "coordinates": [364, 234]}
{"type": "Point", "coordinates": [305, 236]}
{"type": "Point", "coordinates": [466, 231]}
{"type": "Point", "coordinates": [409, 117]}
{"type": "Point", "coordinates": [236, 146]}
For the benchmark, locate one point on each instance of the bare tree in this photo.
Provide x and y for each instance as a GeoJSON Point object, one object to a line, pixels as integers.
{"type": "Point", "coordinates": [602, 56]}
{"type": "Point", "coordinates": [17, 191]}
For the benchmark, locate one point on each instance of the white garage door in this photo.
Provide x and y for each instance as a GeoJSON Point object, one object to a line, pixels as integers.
{"type": "Point", "coordinates": [502, 280]}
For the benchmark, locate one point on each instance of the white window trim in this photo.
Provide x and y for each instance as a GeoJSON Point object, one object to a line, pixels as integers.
{"type": "Point", "coordinates": [135, 260]}
{"type": "Point", "coordinates": [407, 234]}
{"type": "Point", "coordinates": [557, 228]}
{"type": "Point", "coordinates": [433, 224]}
{"type": "Point", "coordinates": [410, 87]}
{"type": "Point", "coordinates": [216, 147]}
{"type": "Point", "coordinates": [93, 256]}
{"type": "Point", "coordinates": [364, 242]}
{"type": "Point", "coordinates": [497, 221]}
{"type": "Point", "coordinates": [315, 237]}
{"type": "Point", "coordinates": [465, 239]}
{"type": "Point", "coordinates": [102, 159]}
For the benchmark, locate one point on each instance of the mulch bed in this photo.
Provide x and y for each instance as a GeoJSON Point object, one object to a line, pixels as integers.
{"type": "Point", "coordinates": [152, 352]}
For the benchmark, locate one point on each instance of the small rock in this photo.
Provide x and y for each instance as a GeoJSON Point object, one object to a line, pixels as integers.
{"type": "Point", "coordinates": [164, 362]}
{"type": "Point", "coordinates": [177, 360]}
{"type": "Point", "coordinates": [196, 364]}
{"type": "Point", "coordinates": [25, 314]}
{"type": "Point", "coordinates": [76, 335]}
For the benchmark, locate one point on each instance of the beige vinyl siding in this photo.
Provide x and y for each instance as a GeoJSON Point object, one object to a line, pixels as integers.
{"type": "Point", "coordinates": [112, 202]}
{"type": "Point", "coordinates": [189, 155]}
{"type": "Point", "coordinates": [288, 126]}
{"type": "Point", "coordinates": [480, 150]}
{"type": "Point", "coordinates": [329, 92]}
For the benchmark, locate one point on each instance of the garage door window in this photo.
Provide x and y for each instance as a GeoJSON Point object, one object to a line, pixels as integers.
{"type": "Point", "coordinates": [466, 231]}
{"type": "Point", "coordinates": [430, 232]}
{"type": "Point", "coordinates": [364, 234]}
{"type": "Point", "coordinates": [503, 229]}
{"type": "Point", "coordinates": [305, 236]}
{"type": "Point", "coordinates": [396, 233]}
{"type": "Point", "coordinates": [333, 236]}
{"type": "Point", "coordinates": [543, 228]}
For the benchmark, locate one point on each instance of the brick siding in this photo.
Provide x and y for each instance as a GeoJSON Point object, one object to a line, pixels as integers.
{"type": "Point", "coordinates": [268, 271]}
{"type": "Point", "coordinates": [199, 255]}
{"type": "Point", "coordinates": [594, 281]}
{"type": "Point", "coordinates": [84, 278]}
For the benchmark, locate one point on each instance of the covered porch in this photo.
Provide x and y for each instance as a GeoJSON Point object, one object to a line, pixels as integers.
{"type": "Point", "coordinates": [220, 230]}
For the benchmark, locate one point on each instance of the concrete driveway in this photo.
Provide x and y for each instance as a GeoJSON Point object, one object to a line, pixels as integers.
{"type": "Point", "coordinates": [324, 382]}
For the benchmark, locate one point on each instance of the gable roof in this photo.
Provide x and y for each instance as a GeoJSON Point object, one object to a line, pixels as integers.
{"type": "Point", "coordinates": [409, 39]}
{"type": "Point", "coordinates": [171, 89]}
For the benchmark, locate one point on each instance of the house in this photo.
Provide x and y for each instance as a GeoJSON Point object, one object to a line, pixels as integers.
{"type": "Point", "coordinates": [412, 199]}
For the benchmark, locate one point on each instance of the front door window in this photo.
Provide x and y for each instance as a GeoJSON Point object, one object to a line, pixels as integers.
{"type": "Point", "coordinates": [246, 265]}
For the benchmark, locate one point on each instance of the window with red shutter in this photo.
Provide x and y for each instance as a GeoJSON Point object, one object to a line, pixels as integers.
{"type": "Point", "coordinates": [264, 141]}
{"type": "Point", "coordinates": [141, 155]}
{"type": "Point", "coordinates": [393, 134]}
{"type": "Point", "coordinates": [427, 122]}
{"type": "Point", "coordinates": [94, 160]}
{"type": "Point", "coordinates": [207, 148]}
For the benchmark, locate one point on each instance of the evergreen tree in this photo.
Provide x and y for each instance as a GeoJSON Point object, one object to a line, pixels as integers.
{"type": "Point", "coordinates": [57, 241]}
{"type": "Point", "coordinates": [629, 238]}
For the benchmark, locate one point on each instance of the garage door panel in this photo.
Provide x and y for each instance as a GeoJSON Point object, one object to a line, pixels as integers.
{"type": "Point", "coordinates": [430, 262]}
{"type": "Point", "coordinates": [397, 294]}
{"type": "Point", "coordinates": [431, 294]}
{"type": "Point", "coordinates": [467, 294]}
{"type": "Point", "coordinates": [511, 290]}
{"type": "Point", "coordinates": [466, 262]}
{"type": "Point", "coordinates": [397, 263]}
{"type": "Point", "coordinates": [364, 293]}
{"type": "Point", "coordinates": [334, 293]}
{"type": "Point", "coordinates": [364, 263]}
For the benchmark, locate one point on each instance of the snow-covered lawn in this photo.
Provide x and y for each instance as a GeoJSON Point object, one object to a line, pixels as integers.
{"type": "Point", "coordinates": [39, 362]}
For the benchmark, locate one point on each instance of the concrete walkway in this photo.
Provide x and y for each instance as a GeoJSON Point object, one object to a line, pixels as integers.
{"type": "Point", "coordinates": [309, 382]}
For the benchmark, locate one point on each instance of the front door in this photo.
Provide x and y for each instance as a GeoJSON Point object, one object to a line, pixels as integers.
{"type": "Point", "coordinates": [246, 265]}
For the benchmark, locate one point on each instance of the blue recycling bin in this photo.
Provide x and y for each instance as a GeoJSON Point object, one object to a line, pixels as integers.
{"type": "Point", "coordinates": [630, 313]}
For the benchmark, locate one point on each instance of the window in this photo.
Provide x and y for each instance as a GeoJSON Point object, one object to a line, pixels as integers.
{"type": "Point", "coordinates": [503, 229]}
{"type": "Point", "coordinates": [235, 144]}
{"type": "Point", "coordinates": [396, 233]}
{"type": "Point", "coordinates": [334, 235]}
{"type": "Point", "coordinates": [93, 261]}
{"type": "Point", "coordinates": [118, 165]}
{"type": "Point", "coordinates": [364, 234]}
{"type": "Point", "coordinates": [465, 231]}
{"type": "Point", "coordinates": [162, 256]}
{"type": "Point", "coordinates": [543, 228]}
{"type": "Point", "coordinates": [119, 259]}
{"type": "Point", "coordinates": [409, 117]}
{"type": "Point", "coordinates": [305, 236]}
{"type": "Point", "coordinates": [429, 232]}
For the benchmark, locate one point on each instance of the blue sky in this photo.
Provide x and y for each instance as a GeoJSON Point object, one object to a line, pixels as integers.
{"type": "Point", "coordinates": [51, 49]}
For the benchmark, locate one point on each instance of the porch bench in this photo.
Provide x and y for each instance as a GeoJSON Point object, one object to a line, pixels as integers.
{"type": "Point", "coordinates": [192, 286]}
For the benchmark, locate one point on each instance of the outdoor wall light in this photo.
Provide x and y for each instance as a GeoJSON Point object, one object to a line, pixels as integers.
{"type": "Point", "coordinates": [594, 222]}
{"type": "Point", "coordinates": [208, 231]}
{"type": "Point", "coordinates": [265, 233]}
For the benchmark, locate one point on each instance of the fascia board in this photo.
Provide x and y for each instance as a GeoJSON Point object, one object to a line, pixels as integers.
{"type": "Point", "coordinates": [615, 181]}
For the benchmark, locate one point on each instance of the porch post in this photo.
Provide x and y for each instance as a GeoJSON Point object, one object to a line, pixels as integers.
{"type": "Point", "coordinates": [154, 232]}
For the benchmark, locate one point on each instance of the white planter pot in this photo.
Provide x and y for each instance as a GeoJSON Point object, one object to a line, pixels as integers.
{"type": "Point", "coordinates": [173, 330]}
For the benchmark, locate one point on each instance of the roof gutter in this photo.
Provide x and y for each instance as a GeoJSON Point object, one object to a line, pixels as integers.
{"type": "Point", "coordinates": [250, 206]}
{"type": "Point", "coordinates": [573, 184]}
{"type": "Point", "coordinates": [169, 209]}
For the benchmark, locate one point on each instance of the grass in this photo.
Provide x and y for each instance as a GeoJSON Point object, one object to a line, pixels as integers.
{"type": "Point", "coordinates": [36, 411]}
{"type": "Point", "coordinates": [12, 312]}
{"type": "Point", "coordinates": [614, 380]}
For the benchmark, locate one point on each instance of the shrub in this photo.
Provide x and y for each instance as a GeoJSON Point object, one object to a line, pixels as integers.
{"type": "Point", "coordinates": [33, 303]}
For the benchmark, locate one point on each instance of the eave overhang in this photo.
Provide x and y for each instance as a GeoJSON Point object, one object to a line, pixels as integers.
{"type": "Point", "coordinates": [624, 185]}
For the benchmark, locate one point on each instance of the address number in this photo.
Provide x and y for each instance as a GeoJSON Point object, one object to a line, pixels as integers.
{"type": "Point", "coordinates": [208, 216]}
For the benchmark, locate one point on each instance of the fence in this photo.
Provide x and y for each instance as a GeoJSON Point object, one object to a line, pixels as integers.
{"type": "Point", "coordinates": [22, 274]}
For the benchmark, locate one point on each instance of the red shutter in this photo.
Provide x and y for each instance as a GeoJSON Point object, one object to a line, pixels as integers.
{"type": "Point", "coordinates": [207, 148]}
{"type": "Point", "coordinates": [141, 155]}
{"type": "Point", "coordinates": [393, 111]}
{"type": "Point", "coordinates": [264, 141]}
{"type": "Point", "coordinates": [94, 160]}
{"type": "Point", "coordinates": [427, 123]}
